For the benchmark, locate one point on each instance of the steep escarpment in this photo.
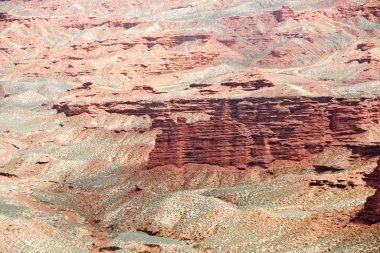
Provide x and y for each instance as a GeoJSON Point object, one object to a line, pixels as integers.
{"type": "Point", "coordinates": [245, 132]}
{"type": "Point", "coordinates": [188, 126]}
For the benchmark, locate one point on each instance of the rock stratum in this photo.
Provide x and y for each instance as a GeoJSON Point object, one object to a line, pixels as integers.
{"type": "Point", "coordinates": [189, 126]}
{"type": "Point", "coordinates": [245, 132]}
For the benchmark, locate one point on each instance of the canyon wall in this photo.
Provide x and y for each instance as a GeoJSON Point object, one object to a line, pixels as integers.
{"type": "Point", "coordinates": [246, 132]}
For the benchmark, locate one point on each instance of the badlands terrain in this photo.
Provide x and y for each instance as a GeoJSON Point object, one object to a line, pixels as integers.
{"type": "Point", "coordinates": [190, 126]}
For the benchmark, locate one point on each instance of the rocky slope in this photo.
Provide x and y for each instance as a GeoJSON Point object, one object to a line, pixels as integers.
{"type": "Point", "coordinates": [189, 126]}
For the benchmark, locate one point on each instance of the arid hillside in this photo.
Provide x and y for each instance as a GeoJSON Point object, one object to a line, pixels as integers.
{"type": "Point", "coordinates": [190, 126]}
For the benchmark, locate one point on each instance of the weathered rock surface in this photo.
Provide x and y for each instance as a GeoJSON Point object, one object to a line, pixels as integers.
{"type": "Point", "coordinates": [246, 131]}
{"type": "Point", "coordinates": [284, 13]}
{"type": "Point", "coordinates": [340, 183]}
{"type": "Point", "coordinates": [227, 105]}
{"type": "Point", "coordinates": [101, 42]}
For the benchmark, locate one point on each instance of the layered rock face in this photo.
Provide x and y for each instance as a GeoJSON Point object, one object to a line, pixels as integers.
{"type": "Point", "coordinates": [222, 141]}
{"type": "Point", "coordinates": [246, 132]}
{"type": "Point", "coordinates": [195, 123]}
{"type": "Point", "coordinates": [284, 13]}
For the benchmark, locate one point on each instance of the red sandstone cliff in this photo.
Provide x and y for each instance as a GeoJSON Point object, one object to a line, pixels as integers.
{"type": "Point", "coordinates": [251, 131]}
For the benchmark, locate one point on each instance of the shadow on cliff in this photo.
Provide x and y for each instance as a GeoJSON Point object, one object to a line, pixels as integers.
{"type": "Point", "coordinates": [370, 214]}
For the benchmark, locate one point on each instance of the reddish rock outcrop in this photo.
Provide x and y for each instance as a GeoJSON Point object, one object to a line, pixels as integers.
{"type": "Point", "coordinates": [365, 46]}
{"type": "Point", "coordinates": [370, 11]}
{"type": "Point", "coordinates": [219, 142]}
{"type": "Point", "coordinates": [251, 131]}
{"type": "Point", "coordinates": [365, 150]}
{"type": "Point", "coordinates": [250, 81]}
{"type": "Point", "coordinates": [284, 13]}
{"type": "Point", "coordinates": [250, 85]}
{"type": "Point", "coordinates": [247, 81]}
{"type": "Point", "coordinates": [336, 183]}
{"type": "Point", "coordinates": [71, 22]}
{"type": "Point", "coordinates": [143, 88]}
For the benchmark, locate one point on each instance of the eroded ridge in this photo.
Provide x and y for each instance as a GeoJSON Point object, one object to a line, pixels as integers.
{"type": "Point", "coordinates": [251, 131]}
